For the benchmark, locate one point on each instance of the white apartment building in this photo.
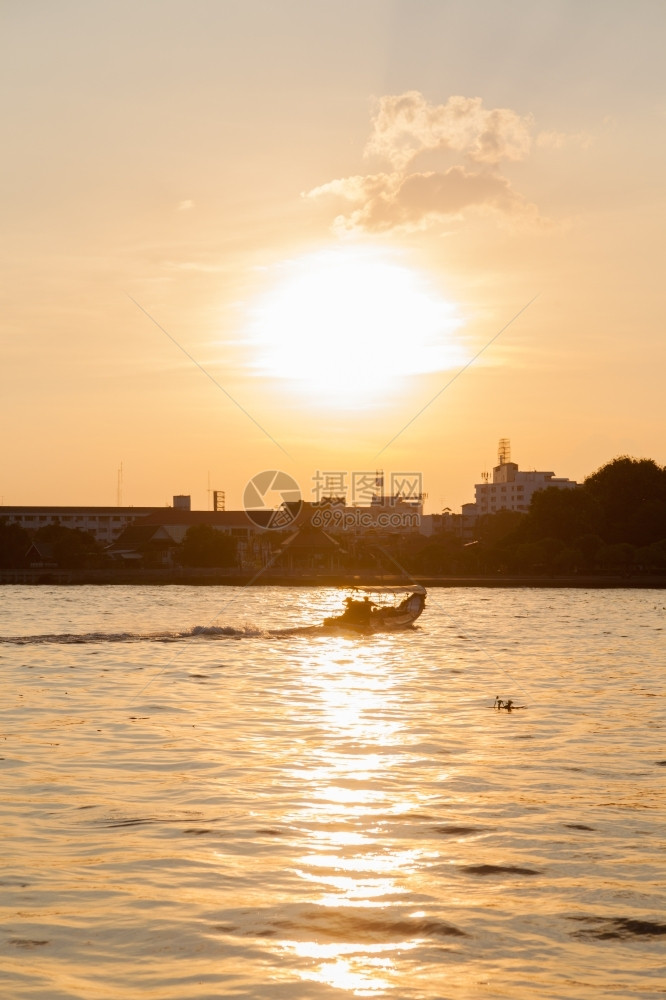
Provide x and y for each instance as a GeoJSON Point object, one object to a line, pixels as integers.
{"type": "Point", "coordinates": [511, 488]}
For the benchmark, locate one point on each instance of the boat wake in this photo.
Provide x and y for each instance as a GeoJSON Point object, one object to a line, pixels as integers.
{"type": "Point", "coordinates": [360, 617]}
{"type": "Point", "coordinates": [196, 632]}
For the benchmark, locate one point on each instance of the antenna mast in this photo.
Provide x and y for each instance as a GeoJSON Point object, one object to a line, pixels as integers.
{"type": "Point", "coordinates": [504, 451]}
{"type": "Point", "coordinates": [119, 487]}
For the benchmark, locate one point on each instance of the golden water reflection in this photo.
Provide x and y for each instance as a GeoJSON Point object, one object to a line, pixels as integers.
{"type": "Point", "coordinates": [355, 788]}
{"type": "Point", "coordinates": [366, 975]}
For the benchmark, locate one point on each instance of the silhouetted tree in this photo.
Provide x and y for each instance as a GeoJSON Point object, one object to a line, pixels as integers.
{"type": "Point", "coordinates": [495, 528]}
{"type": "Point", "coordinates": [630, 494]}
{"type": "Point", "coordinates": [620, 556]}
{"type": "Point", "coordinates": [441, 555]}
{"type": "Point", "coordinates": [652, 556]}
{"type": "Point", "coordinates": [204, 546]}
{"type": "Point", "coordinates": [560, 514]}
{"type": "Point", "coordinates": [588, 546]}
{"type": "Point", "coordinates": [72, 548]}
{"type": "Point", "coordinates": [14, 543]}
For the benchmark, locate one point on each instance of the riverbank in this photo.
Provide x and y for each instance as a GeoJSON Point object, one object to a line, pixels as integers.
{"type": "Point", "coordinates": [273, 578]}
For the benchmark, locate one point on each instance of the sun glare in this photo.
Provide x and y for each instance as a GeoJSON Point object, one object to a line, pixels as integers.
{"type": "Point", "coordinates": [344, 324]}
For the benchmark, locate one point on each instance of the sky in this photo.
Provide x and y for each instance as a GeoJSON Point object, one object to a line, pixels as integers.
{"type": "Point", "coordinates": [327, 238]}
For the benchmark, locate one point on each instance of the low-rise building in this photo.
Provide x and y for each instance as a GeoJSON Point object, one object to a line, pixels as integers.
{"type": "Point", "coordinates": [104, 523]}
{"type": "Point", "coordinates": [164, 529]}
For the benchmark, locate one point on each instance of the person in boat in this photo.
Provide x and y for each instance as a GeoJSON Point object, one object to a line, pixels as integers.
{"type": "Point", "coordinates": [405, 605]}
{"type": "Point", "coordinates": [358, 611]}
{"type": "Point", "coordinates": [400, 609]}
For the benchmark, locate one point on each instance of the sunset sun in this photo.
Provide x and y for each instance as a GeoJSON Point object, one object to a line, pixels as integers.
{"type": "Point", "coordinates": [343, 324]}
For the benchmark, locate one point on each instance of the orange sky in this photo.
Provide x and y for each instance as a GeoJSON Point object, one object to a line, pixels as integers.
{"type": "Point", "coordinates": [331, 208]}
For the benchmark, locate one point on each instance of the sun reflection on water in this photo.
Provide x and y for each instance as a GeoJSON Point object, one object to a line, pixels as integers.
{"type": "Point", "coordinates": [351, 866]}
{"type": "Point", "coordinates": [363, 976]}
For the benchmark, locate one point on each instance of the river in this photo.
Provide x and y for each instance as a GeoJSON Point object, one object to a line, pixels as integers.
{"type": "Point", "coordinates": [206, 795]}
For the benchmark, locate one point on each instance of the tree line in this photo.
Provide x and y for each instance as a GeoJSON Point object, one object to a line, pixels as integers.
{"type": "Point", "coordinates": [54, 545]}
{"type": "Point", "coordinates": [614, 522]}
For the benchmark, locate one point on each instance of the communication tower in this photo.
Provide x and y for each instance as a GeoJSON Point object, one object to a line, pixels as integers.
{"type": "Point", "coordinates": [504, 451]}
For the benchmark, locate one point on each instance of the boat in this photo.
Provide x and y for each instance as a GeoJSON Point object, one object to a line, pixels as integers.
{"type": "Point", "coordinates": [378, 610]}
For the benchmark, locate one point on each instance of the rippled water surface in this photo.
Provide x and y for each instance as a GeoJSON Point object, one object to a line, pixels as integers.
{"type": "Point", "coordinates": [205, 795]}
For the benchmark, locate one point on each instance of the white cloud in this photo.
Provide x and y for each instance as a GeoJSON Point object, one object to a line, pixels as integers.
{"type": "Point", "coordinates": [405, 126]}
{"type": "Point", "coordinates": [388, 201]}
